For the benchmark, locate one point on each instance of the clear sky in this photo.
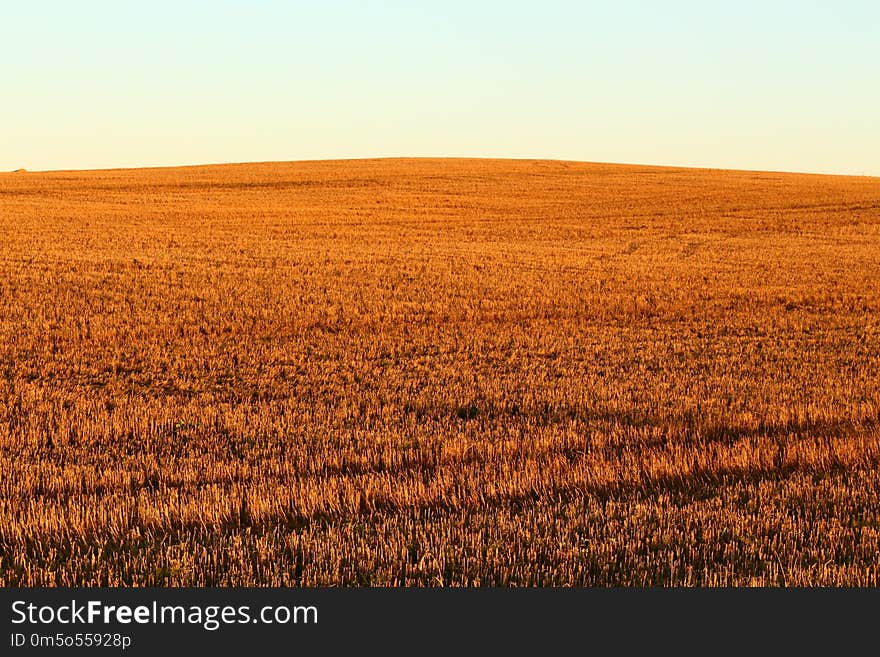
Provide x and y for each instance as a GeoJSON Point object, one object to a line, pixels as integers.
{"type": "Point", "coordinates": [745, 84]}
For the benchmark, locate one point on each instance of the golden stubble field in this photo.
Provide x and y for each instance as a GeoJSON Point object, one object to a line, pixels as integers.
{"type": "Point", "coordinates": [439, 372]}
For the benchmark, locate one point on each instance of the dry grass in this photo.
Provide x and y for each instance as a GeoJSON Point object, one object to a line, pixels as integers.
{"type": "Point", "coordinates": [435, 372]}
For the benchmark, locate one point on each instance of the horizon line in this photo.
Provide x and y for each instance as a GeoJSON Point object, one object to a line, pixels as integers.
{"type": "Point", "coordinates": [654, 165]}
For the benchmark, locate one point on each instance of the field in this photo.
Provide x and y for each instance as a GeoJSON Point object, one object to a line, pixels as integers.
{"type": "Point", "coordinates": [439, 372]}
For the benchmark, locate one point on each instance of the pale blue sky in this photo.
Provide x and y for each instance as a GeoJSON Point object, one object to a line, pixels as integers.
{"type": "Point", "coordinates": [746, 84]}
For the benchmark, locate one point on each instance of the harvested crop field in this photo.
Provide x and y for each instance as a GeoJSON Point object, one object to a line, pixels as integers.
{"type": "Point", "coordinates": [439, 372]}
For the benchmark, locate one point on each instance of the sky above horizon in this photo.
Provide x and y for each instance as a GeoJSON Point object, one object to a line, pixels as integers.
{"type": "Point", "coordinates": [774, 85]}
